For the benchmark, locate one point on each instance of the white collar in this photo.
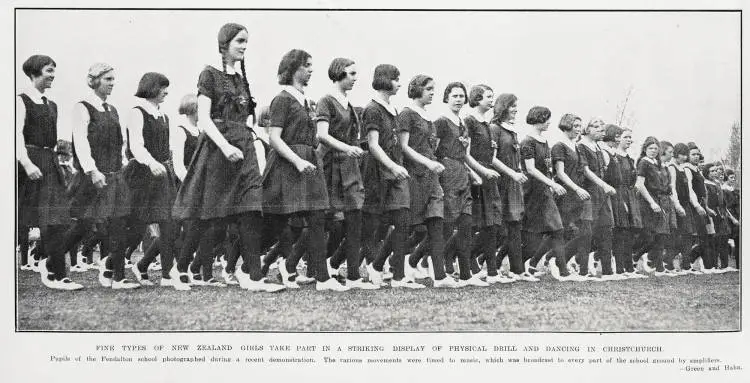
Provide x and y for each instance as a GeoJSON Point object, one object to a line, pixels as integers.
{"type": "Point", "coordinates": [537, 137]}
{"type": "Point", "coordinates": [452, 118]}
{"type": "Point", "coordinates": [480, 117]}
{"type": "Point", "coordinates": [34, 94]}
{"type": "Point", "coordinates": [193, 130]}
{"type": "Point", "coordinates": [593, 146]}
{"type": "Point", "coordinates": [727, 187]}
{"type": "Point", "coordinates": [710, 182]}
{"type": "Point", "coordinates": [299, 96]}
{"type": "Point", "coordinates": [390, 108]}
{"type": "Point", "coordinates": [665, 164]}
{"type": "Point", "coordinates": [95, 101]}
{"type": "Point", "coordinates": [148, 107]}
{"type": "Point", "coordinates": [621, 152]}
{"type": "Point", "coordinates": [653, 161]}
{"type": "Point", "coordinates": [230, 69]}
{"type": "Point", "coordinates": [690, 166]}
{"type": "Point", "coordinates": [610, 150]}
{"type": "Point", "coordinates": [340, 97]}
{"type": "Point", "coordinates": [567, 141]}
{"type": "Point", "coordinates": [420, 111]}
{"type": "Point", "coordinates": [509, 126]}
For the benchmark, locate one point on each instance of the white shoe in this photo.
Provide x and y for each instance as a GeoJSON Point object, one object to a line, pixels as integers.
{"type": "Point", "coordinates": [78, 268]}
{"type": "Point", "coordinates": [128, 264]}
{"type": "Point", "coordinates": [375, 277]}
{"type": "Point", "coordinates": [473, 281]}
{"type": "Point", "coordinates": [104, 281]}
{"type": "Point", "coordinates": [35, 266]}
{"type": "Point", "coordinates": [286, 275]}
{"type": "Point", "coordinates": [612, 277]}
{"type": "Point", "coordinates": [304, 280]}
{"type": "Point", "coordinates": [482, 273]}
{"type": "Point", "coordinates": [731, 269]}
{"type": "Point", "coordinates": [528, 277]}
{"type": "Point", "coordinates": [361, 284]}
{"type": "Point", "coordinates": [124, 285]}
{"type": "Point", "coordinates": [239, 278]}
{"type": "Point", "coordinates": [406, 284]}
{"type": "Point", "coordinates": [67, 284]}
{"type": "Point", "coordinates": [139, 278]}
{"type": "Point", "coordinates": [195, 282]}
{"type": "Point", "coordinates": [177, 282]}
{"type": "Point", "coordinates": [410, 273]}
{"type": "Point", "coordinates": [213, 282]}
{"type": "Point", "coordinates": [331, 271]}
{"type": "Point", "coordinates": [331, 284]}
{"type": "Point", "coordinates": [430, 268]}
{"type": "Point", "coordinates": [499, 278]}
{"type": "Point", "coordinates": [229, 278]}
{"type": "Point", "coordinates": [44, 273]}
{"type": "Point", "coordinates": [648, 269]}
{"type": "Point", "coordinates": [527, 266]}
{"type": "Point", "coordinates": [27, 267]}
{"type": "Point", "coordinates": [387, 273]}
{"type": "Point", "coordinates": [264, 286]}
{"type": "Point", "coordinates": [446, 282]}
{"type": "Point", "coordinates": [166, 282]}
{"type": "Point", "coordinates": [156, 266]}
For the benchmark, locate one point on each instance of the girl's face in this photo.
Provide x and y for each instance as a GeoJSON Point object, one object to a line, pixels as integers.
{"type": "Point", "coordinates": [713, 172]}
{"type": "Point", "coordinates": [680, 158]}
{"type": "Point", "coordinates": [303, 73]}
{"type": "Point", "coordinates": [45, 80]}
{"type": "Point", "coordinates": [544, 126]}
{"type": "Point", "coordinates": [512, 111]}
{"type": "Point", "coordinates": [695, 156]}
{"type": "Point", "coordinates": [596, 131]}
{"type": "Point", "coordinates": [395, 86]}
{"type": "Point", "coordinates": [236, 49]}
{"type": "Point", "coordinates": [347, 83]}
{"type": "Point", "coordinates": [106, 83]}
{"type": "Point", "coordinates": [163, 92]}
{"type": "Point", "coordinates": [488, 100]}
{"type": "Point", "coordinates": [576, 131]}
{"type": "Point", "coordinates": [731, 179]}
{"type": "Point", "coordinates": [456, 99]}
{"type": "Point", "coordinates": [667, 155]}
{"type": "Point", "coordinates": [626, 139]}
{"type": "Point", "coordinates": [652, 151]}
{"type": "Point", "coordinates": [428, 93]}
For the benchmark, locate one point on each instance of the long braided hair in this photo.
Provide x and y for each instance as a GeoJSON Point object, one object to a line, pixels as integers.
{"type": "Point", "coordinates": [226, 35]}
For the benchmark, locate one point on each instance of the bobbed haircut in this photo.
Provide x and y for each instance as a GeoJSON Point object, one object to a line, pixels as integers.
{"type": "Point", "coordinates": [611, 132]}
{"type": "Point", "coordinates": [538, 115]}
{"type": "Point", "coordinates": [650, 140]}
{"type": "Point", "coordinates": [692, 146]}
{"type": "Point", "coordinates": [150, 85]}
{"type": "Point", "coordinates": [596, 121]}
{"type": "Point", "coordinates": [680, 149]}
{"type": "Point", "coordinates": [450, 87]}
{"type": "Point", "coordinates": [707, 169]}
{"type": "Point", "coordinates": [567, 121]}
{"type": "Point", "coordinates": [417, 85]}
{"type": "Point", "coordinates": [188, 105]}
{"type": "Point", "coordinates": [337, 69]}
{"type": "Point", "coordinates": [289, 64]}
{"type": "Point", "coordinates": [476, 94]}
{"type": "Point", "coordinates": [33, 65]}
{"type": "Point", "coordinates": [383, 75]}
{"type": "Point", "coordinates": [502, 104]}
{"type": "Point", "coordinates": [664, 145]}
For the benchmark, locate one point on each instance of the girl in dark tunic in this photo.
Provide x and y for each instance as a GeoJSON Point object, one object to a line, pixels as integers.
{"type": "Point", "coordinates": [703, 252]}
{"type": "Point", "coordinates": [717, 209]}
{"type": "Point", "coordinates": [339, 132]}
{"type": "Point", "coordinates": [386, 181]}
{"type": "Point", "coordinates": [511, 180]}
{"type": "Point", "coordinates": [541, 222]}
{"type": "Point", "coordinates": [733, 206]}
{"type": "Point", "coordinates": [623, 235]}
{"type": "Point", "coordinates": [594, 168]}
{"type": "Point", "coordinates": [224, 183]}
{"type": "Point", "coordinates": [487, 210]}
{"type": "Point", "coordinates": [452, 151]}
{"type": "Point", "coordinates": [684, 235]}
{"type": "Point", "coordinates": [41, 185]}
{"type": "Point", "coordinates": [657, 211]}
{"type": "Point", "coordinates": [418, 141]}
{"type": "Point", "coordinates": [102, 197]}
{"type": "Point", "coordinates": [154, 189]}
{"type": "Point", "coordinates": [294, 183]}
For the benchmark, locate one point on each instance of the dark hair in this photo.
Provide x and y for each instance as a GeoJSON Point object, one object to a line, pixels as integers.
{"type": "Point", "coordinates": [226, 34]}
{"type": "Point", "coordinates": [150, 85]}
{"type": "Point", "coordinates": [681, 149]}
{"type": "Point", "coordinates": [692, 146]}
{"type": "Point", "coordinates": [650, 140]}
{"type": "Point", "coordinates": [264, 116]}
{"type": "Point", "coordinates": [538, 115]}
{"type": "Point", "coordinates": [417, 85]}
{"type": "Point", "coordinates": [707, 169]}
{"type": "Point", "coordinates": [663, 145]}
{"type": "Point", "coordinates": [449, 89]}
{"type": "Point", "coordinates": [384, 74]}
{"type": "Point", "coordinates": [337, 69]}
{"type": "Point", "coordinates": [476, 94]}
{"type": "Point", "coordinates": [611, 132]}
{"type": "Point", "coordinates": [567, 121]}
{"type": "Point", "coordinates": [33, 65]}
{"type": "Point", "coordinates": [502, 104]}
{"type": "Point", "coordinates": [289, 64]}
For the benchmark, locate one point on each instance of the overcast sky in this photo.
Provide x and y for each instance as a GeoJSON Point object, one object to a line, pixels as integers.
{"type": "Point", "coordinates": [684, 68]}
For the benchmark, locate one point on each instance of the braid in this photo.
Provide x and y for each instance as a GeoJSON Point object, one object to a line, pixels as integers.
{"type": "Point", "coordinates": [224, 82]}
{"type": "Point", "coordinates": [250, 101]}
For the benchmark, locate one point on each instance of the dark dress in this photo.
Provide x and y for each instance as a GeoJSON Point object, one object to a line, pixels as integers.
{"type": "Point", "coordinates": [41, 202]}
{"type": "Point", "coordinates": [191, 144]}
{"type": "Point", "coordinates": [487, 209]}
{"type": "Point", "coordinates": [541, 215]}
{"type": "Point", "coordinates": [571, 207]}
{"type": "Point", "coordinates": [426, 194]}
{"type": "Point", "coordinates": [346, 191]}
{"type": "Point", "coordinates": [286, 190]}
{"type": "Point", "coordinates": [154, 196]}
{"type": "Point", "coordinates": [214, 187]}
{"type": "Point", "coordinates": [685, 224]}
{"type": "Point", "coordinates": [455, 178]}
{"type": "Point", "coordinates": [105, 140]}
{"type": "Point", "coordinates": [511, 192]}
{"type": "Point", "coordinates": [629, 195]}
{"type": "Point", "coordinates": [383, 192]}
{"type": "Point", "coordinates": [656, 180]}
{"type": "Point", "coordinates": [601, 208]}
{"type": "Point", "coordinates": [699, 187]}
{"type": "Point", "coordinates": [717, 202]}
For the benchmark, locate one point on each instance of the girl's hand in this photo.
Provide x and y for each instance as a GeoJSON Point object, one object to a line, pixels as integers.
{"type": "Point", "coordinates": [655, 207]}
{"type": "Point", "coordinates": [436, 167]}
{"type": "Point", "coordinates": [157, 169]}
{"type": "Point", "coordinates": [305, 167]}
{"type": "Point", "coordinates": [232, 153]}
{"type": "Point", "coordinates": [557, 189]}
{"type": "Point", "coordinates": [32, 171]}
{"type": "Point", "coordinates": [98, 179]}
{"type": "Point", "coordinates": [680, 210]}
{"type": "Point", "coordinates": [519, 177]}
{"type": "Point", "coordinates": [583, 194]}
{"type": "Point", "coordinates": [399, 172]}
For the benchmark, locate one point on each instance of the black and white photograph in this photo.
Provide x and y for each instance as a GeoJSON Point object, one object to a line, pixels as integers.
{"type": "Point", "coordinates": [376, 171]}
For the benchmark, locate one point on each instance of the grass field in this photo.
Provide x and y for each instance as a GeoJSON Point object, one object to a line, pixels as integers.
{"type": "Point", "coordinates": [686, 303]}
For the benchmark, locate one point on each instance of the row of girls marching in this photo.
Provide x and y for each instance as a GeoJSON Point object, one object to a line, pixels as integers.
{"type": "Point", "coordinates": [326, 186]}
